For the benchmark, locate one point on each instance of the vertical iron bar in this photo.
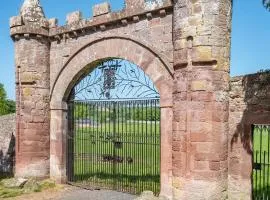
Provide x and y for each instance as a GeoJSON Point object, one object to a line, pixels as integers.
{"type": "Point", "coordinates": [75, 163]}
{"type": "Point", "coordinates": [114, 152]}
{"type": "Point", "coordinates": [125, 148]}
{"type": "Point", "coordinates": [105, 147]}
{"type": "Point", "coordinates": [96, 144]}
{"type": "Point", "coordinates": [141, 145]}
{"type": "Point", "coordinates": [264, 174]}
{"type": "Point", "coordinates": [92, 140]}
{"type": "Point", "coordinates": [118, 133]}
{"type": "Point", "coordinates": [130, 138]}
{"type": "Point", "coordinates": [151, 149]}
{"type": "Point", "coordinates": [268, 157]}
{"type": "Point", "coordinates": [101, 144]}
{"type": "Point", "coordinates": [87, 161]}
{"type": "Point", "coordinates": [256, 175]}
{"type": "Point", "coordinates": [111, 140]}
{"type": "Point", "coordinates": [253, 145]}
{"type": "Point", "coordinates": [261, 158]}
{"type": "Point", "coordinates": [84, 133]}
{"type": "Point", "coordinates": [155, 189]}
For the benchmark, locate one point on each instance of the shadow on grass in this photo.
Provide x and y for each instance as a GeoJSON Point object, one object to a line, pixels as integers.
{"type": "Point", "coordinates": [262, 193]}
{"type": "Point", "coordinates": [124, 183]}
{"type": "Point", "coordinates": [119, 177]}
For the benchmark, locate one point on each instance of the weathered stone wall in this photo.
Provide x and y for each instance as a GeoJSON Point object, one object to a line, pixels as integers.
{"type": "Point", "coordinates": [32, 89]}
{"type": "Point", "coordinates": [201, 63]}
{"type": "Point", "coordinates": [7, 143]}
{"type": "Point", "coordinates": [249, 104]}
{"type": "Point", "coordinates": [32, 53]}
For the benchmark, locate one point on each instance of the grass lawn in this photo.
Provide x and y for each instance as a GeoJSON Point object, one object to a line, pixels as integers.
{"type": "Point", "coordinates": [30, 187]}
{"type": "Point", "coordinates": [261, 157]}
{"type": "Point", "coordinates": [124, 156]}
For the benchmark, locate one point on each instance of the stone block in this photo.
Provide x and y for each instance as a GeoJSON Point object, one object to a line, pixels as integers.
{"type": "Point", "coordinates": [74, 17]}
{"type": "Point", "coordinates": [199, 85]}
{"type": "Point", "coordinates": [202, 54]}
{"type": "Point", "coordinates": [101, 9]}
{"type": "Point", "coordinates": [134, 4]}
{"type": "Point", "coordinates": [177, 182]}
{"type": "Point", "coordinates": [53, 23]}
{"type": "Point", "coordinates": [215, 166]}
{"type": "Point", "coordinates": [14, 182]}
{"type": "Point", "coordinates": [15, 21]}
{"type": "Point", "coordinates": [152, 5]}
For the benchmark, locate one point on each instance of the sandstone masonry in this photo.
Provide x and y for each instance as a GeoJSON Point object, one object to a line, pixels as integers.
{"type": "Point", "coordinates": [183, 46]}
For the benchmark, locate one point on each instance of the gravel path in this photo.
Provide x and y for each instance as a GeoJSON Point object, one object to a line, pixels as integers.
{"type": "Point", "coordinates": [80, 194]}
{"type": "Point", "coordinates": [67, 192]}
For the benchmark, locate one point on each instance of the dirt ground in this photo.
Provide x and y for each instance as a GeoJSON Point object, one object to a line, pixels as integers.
{"type": "Point", "coordinates": [50, 194]}
{"type": "Point", "coordinates": [66, 192]}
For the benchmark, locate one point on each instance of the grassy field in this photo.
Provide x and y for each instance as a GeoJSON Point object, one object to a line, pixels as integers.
{"type": "Point", "coordinates": [31, 186]}
{"type": "Point", "coordinates": [261, 158]}
{"type": "Point", "coordinates": [119, 156]}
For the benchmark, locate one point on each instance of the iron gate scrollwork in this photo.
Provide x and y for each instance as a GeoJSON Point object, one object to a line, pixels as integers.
{"type": "Point", "coordinates": [114, 129]}
{"type": "Point", "coordinates": [115, 79]}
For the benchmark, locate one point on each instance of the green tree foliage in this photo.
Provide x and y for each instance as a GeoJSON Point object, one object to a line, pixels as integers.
{"type": "Point", "coordinates": [6, 106]}
{"type": "Point", "coordinates": [266, 4]}
{"type": "Point", "coordinates": [146, 114]}
{"type": "Point", "coordinates": [102, 115]}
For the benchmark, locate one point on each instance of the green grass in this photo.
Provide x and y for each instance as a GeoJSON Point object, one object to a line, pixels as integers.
{"type": "Point", "coordinates": [261, 155]}
{"type": "Point", "coordinates": [34, 186]}
{"type": "Point", "coordinates": [137, 150]}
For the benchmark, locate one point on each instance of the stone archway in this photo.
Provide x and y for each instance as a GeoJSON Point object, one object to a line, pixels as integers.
{"type": "Point", "coordinates": [183, 46]}
{"type": "Point", "coordinates": [149, 62]}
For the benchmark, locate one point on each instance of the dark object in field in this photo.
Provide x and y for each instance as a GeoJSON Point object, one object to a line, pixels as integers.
{"type": "Point", "coordinates": [107, 158]}
{"type": "Point", "coordinates": [118, 145]}
{"type": "Point", "coordinates": [110, 158]}
{"type": "Point", "coordinates": [129, 160]}
{"type": "Point", "coordinates": [118, 159]}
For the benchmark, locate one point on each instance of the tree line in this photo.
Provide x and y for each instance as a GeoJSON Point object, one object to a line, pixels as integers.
{"type": "Point", "coordinates": [7, 106]}
{"type": "Point", "coordinates": [102, 115]}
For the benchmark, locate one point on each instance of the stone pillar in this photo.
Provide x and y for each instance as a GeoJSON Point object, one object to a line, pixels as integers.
{"type": "Point", "coordinates": [200, 128]}
{"type": "Point", "coordinates": [29, 31]}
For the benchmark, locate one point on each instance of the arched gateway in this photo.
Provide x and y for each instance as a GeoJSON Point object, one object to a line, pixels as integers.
{"type": "Point", "coordinates": [152, 71]}
{"type": "Point", "coordinates": [180, 49]}
{"type": "Point", "coordinates": [114, 128]}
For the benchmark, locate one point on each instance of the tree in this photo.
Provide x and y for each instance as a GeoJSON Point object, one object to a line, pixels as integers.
{"type": "Point", "coordinates": [266, 4]}
{"type": "Point", "coordinates": [6, 106]}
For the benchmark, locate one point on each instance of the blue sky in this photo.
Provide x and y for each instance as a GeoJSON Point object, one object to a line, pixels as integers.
{"type": "Point", "coordinates": [250, 34]}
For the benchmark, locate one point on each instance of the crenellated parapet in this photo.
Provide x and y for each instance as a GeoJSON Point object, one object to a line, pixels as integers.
{"type": "Point", "coordinates": [104, 19]}
{"type": "Point", "coordinates": [36, 25]}
{"type": "Point", "coordinates": [30, 22]}
{"type": "Point", "coordinates": [19, 29]}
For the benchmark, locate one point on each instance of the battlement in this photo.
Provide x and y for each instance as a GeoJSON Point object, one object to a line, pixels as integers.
{"type": "Point", "coordinates": [133, 12]}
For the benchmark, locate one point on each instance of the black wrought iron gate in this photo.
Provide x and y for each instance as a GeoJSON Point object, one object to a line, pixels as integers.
{"type": "Point", "coordinates": [115, 144]}
{"type": "Point", "coordinates": [261, 162]}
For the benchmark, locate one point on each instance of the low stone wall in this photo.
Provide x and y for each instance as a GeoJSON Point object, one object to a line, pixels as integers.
{"type": "Point", "coordinates": [7, 143]}
{"type": "Point", "coordinates": [249, 104]}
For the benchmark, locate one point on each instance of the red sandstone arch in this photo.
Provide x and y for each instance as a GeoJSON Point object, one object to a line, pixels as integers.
{"type": "Point", "coordinates": [153, 64]}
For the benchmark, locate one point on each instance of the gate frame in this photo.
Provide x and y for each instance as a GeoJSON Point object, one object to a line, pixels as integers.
{"type": "Point", "coordinates": [152, 62]}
